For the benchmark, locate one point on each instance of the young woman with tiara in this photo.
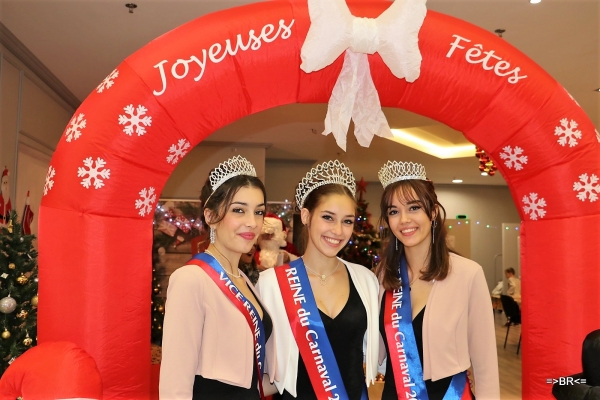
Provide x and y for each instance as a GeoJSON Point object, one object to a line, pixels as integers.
{"type": "Point", "coordinates": [216, 329]}
{"type": "Point", "coordinates": [324, 307]}
{"type": "Point", "coordinates": [436, 315]}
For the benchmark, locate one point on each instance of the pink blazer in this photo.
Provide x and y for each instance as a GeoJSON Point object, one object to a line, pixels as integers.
{"type": "Point", "coordinates": [204, 334]}
{"type": "Point", "coordinates": [458, 329]}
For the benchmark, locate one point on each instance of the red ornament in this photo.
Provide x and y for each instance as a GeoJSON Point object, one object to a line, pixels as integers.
{"type": "Point", "coordinates": [361, 187]}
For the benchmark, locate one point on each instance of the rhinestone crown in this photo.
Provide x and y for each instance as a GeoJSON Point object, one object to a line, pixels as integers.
{"type": "Point", "coordinates": [394, 171]}
{"type": "Point", "coordinates": [235, 166]}
{"type": "Point", "coordinates": [323, 174]}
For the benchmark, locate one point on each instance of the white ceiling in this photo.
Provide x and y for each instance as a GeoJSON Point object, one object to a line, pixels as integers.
{"type": "Point", "coordinates": [81, 41]}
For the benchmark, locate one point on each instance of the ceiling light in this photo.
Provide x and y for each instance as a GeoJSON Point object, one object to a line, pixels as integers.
{"type": "Point", "coordinates": [456, 180]}
{"type": "Point", "coordinates": [451, 151]}
{"type": "Point", "coordinates": [535, 1]}
{"type": "Point", "coordinates": [597, 90]}
{"type": "Point", "coordinates": [484, 174]}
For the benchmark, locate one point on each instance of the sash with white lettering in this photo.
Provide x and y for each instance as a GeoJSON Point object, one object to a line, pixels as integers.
{"type": "Point", "coordinates": [402, 345]}
{"type": "Point", "coordinates": [216, 272]}
{"type": "Point", "coordinates": [309, 331]}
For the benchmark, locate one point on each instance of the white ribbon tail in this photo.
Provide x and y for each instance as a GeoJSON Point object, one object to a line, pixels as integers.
{"type": "Point", "coordinates": [342, 100]}
{"type": "Point", "coordinates": [367, 114]}
{"type": "Point", "coordinates": [355, 97]}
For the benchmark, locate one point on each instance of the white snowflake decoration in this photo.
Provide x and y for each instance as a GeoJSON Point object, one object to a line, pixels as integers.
{"type": "Point", "coordinates": [76, 124]}
{"type": "Point", "coordinates": [589, 185]}
{"type": "Point", "coordinates": [49, 182]}
{"type": "Point", "coordinates": [513, 158]}
{"type": "Point", "coordinates": [108, 81]}
{"type": "Point", "coordinates": [95, 173]}
{"type": "Point", "coordinates": [534, 207]}
{"type": "Point", "coordinates": [177, 151]}
{"type": "Point", "coordinates": [144, 203]}
{"type": "Point", "coordinates": [137, 124]}
{"type": "Point", "coordinates": [570, 132]}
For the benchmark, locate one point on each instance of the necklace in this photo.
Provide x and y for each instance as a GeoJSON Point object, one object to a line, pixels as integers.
{"type": "Point", "coordinates": [323, 277]}
{"type": "Point", "coordinates": [227, 272]}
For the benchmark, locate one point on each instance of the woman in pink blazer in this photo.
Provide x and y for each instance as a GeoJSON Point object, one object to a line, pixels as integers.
{"type": "Point", "coordinates": [217, 333]}
{"type": "Point", "coordinates": [435, 309]}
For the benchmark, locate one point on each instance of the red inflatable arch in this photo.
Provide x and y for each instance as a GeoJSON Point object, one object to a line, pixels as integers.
{"type": "Point", "coordinates": [106, 174]}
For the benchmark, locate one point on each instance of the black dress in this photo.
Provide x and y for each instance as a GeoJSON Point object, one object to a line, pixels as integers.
{"type": "Point", "coordinates": [435, 390]}
{"type": "Point", "coordinates": [211, 389]}
{"type": "Point", "coordinates": [345, 332]}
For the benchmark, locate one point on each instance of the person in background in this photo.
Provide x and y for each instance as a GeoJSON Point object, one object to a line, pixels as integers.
{"type": "Point", "coordinates": [514, 284]}
{"type": "Point", "coordinates": [271, 243]}
{"type": "Point", "coordinates": [217, 334]}
{"type": "Point", "coordinates": [248, 265]}
{"type": "Point", "coordinates": [435, 318]}
{"type": "Point", "coordinates": [324, 307]}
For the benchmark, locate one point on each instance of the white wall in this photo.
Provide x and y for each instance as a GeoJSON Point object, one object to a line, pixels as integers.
{"type": "Point", "coordinates": [189, 176]}
{"type": "Point", "coordinates": [282, 177]}
{"type": "Point", "coordinates": [32, 120]}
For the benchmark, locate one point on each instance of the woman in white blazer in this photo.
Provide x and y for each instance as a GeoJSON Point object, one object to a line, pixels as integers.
{"type": "Point", "coordinates": [323, 307]}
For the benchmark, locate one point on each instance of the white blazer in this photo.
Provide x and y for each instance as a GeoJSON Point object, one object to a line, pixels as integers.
{"type": "Point", "coordinates": [286, 350]}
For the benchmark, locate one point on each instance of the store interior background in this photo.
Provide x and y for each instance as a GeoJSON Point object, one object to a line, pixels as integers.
{"type": "Point", "coordinates": [54, 53]}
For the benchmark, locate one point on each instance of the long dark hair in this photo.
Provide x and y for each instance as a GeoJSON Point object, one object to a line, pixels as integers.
{"type": "Point", "coordinates": [439, 254]}
{"type": "Point", "coordinates": [221, 199]}
{"type": "Point", "coordinates": [313, 200]}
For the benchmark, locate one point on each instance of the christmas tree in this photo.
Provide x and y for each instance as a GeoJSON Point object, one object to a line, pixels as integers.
{"type": "Point", "coordinates": [158, 302]}
{"type": "Point", "coordinates": [363, 247]}
{"type": "Point", "coordinates": [18, 292]}
{"type": "Point", "coordinates": [172, 228]}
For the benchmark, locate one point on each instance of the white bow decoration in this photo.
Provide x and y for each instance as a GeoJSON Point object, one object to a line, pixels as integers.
{"type": "Point", "coordinates": [394, 35]}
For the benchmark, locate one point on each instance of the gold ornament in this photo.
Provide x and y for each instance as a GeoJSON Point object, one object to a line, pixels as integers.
{"type": "Point", "coordinates": [22, 280]}
{"type": "Point", "coordinates": [27, 341]}
{"type": "Point", "coordinates": [161, 308]}
{"type": "Point", "coordinates": [34, 301]}
{"type": "Point", "coordinates": [10, 226]}
{"type": "Point", "coordinates": [5, 334]}
{"type": "Point", "coordinates": [156, 290]}
{"type": "Point", "coordinates": [22, 314]}
{"type": "Point", "coordinates": [11, 266]}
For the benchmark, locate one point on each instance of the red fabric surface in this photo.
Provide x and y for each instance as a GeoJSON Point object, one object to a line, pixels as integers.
{"type": "Point", "coordinates": [52, 370]}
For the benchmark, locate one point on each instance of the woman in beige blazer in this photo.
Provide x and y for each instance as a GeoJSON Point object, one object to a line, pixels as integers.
{"type": "Point", "coordinates": [448, 322]}
{"type": "Point", "coordinates": [214, 319]}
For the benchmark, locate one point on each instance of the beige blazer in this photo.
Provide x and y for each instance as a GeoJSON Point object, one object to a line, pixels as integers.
{"type": "Point", "coordinates": [204, 334]}
{"type": "Point", "coordinates": [458, 329]}
{"type": "Point", "coordinates": [287, 350]}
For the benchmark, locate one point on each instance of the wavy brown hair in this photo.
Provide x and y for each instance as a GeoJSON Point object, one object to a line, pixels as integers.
{"type": "Point", "coordinates": [439, 255]}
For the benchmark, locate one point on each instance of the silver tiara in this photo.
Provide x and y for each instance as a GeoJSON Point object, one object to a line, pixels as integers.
{"type": "Point", "coordinates": [235, 166]}
{"type": "Point", "coordinates": [330, 172]}
{"type": "Point", "coordinates": [394, 171]}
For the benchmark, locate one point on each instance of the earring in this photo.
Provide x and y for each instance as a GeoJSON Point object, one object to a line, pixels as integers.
{"type": "Point", "coordinates": [433, 226]}
{"type": "Point", "coordinates": [213, 235]}
{"type": "Point", "coordinates": [396, 244]}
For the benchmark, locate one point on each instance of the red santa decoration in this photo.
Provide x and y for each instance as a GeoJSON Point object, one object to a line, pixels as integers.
{"type": "Point", "coordinates": [5, 206]}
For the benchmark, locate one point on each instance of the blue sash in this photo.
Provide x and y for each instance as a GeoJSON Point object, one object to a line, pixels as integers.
{"type": "Point", "coordinates": [402, 344]}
